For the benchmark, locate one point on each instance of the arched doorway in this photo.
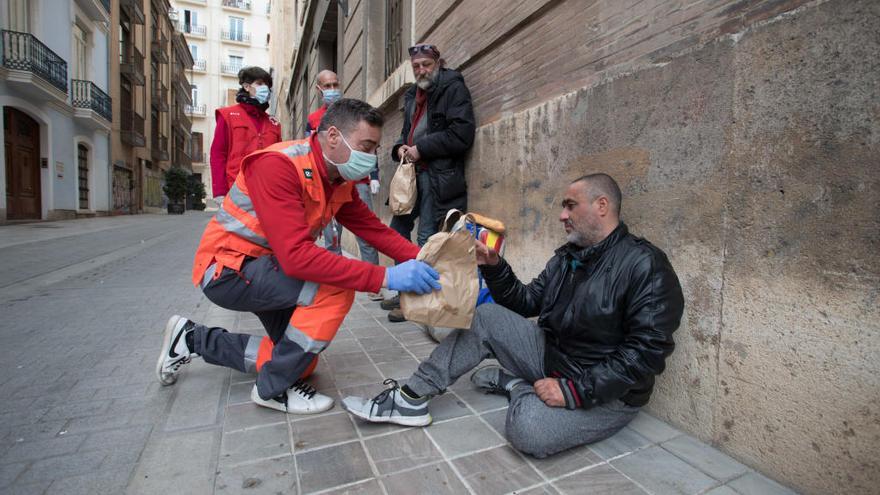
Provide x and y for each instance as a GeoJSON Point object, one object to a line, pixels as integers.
{"type": "Point", "coordinates": [21, 135]}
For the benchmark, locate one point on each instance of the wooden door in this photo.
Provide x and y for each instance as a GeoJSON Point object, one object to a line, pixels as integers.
{"type": "Point", "coordinates": [21, 135]}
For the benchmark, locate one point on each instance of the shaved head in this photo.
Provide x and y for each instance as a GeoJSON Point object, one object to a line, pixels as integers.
{"type": "Point", "coordinates": [326, 78]}
{"type": "Point", "coordinates": [598, 185]}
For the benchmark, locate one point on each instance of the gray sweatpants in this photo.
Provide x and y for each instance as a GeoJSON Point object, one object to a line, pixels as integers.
{"type": "Point", "coordinates": [517, 343]}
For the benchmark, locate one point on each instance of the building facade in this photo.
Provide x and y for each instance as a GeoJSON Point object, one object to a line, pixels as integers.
{"type": "Point", "coordinates": [222, 36]}
{"type": "Point", "coordinates": [57, 111]}
{"type": "Point", "coordinates": [151, 96]}
{"type": "Point", "coordinates": [745, 138]}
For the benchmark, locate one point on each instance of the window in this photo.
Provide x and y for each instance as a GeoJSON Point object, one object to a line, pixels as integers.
{"type": "Point", "coordinates": [230, 96]}
{"type": "Point", "coordinates": [124, 40]}
{"type": "Point", "coordinates": [393, 35]}
{"type": "Point", "coordinates": [195, 95]}
{"type": "Point", "coordinates": [80, 53]}
{"type": "Point", "coordinates": [236, 28]}
{"type": "Point", "coordinates": [82, 158]}
{"type": "Point", "coordinates": [190, 19]}
{"type": "Point", "coordinates": [194, 51]}
{"type": "Point", "coordinates": [18, 16]}
{"type": "Point", "coordinates": [236, 62]}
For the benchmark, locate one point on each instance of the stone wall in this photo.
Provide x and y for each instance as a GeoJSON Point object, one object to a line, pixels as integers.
{"type": "Point", "coordinates": [745, 137]}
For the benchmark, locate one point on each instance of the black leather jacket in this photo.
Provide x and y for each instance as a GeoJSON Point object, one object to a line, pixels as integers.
{"type": "Point", "coordinates": [450, 134]}
{"type": "Point", "coordinates": [616, 326]}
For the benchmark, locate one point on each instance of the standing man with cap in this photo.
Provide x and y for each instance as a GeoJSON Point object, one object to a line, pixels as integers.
{"type": "Point", "coordinates": [438, 130]}
{"type": "Point", "coordinates": [242, 129]}
{"type": "Point", "coordinates": [328, 87]}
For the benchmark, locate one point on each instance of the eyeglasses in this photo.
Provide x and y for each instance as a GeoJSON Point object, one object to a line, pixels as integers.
{"type": "Point", "coordinates": [426, 49]}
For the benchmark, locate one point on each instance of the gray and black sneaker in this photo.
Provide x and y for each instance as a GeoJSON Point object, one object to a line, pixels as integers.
{"type": "Point", "coordinates": [391, 303]}
{"type": "Point", "coordinates": [495, 380]}
{"type": "Point", "coordinates": [390, 406]}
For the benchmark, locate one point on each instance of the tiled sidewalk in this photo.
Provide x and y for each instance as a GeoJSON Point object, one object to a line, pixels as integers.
{"type": "Point", "coordinates": [463, 451]}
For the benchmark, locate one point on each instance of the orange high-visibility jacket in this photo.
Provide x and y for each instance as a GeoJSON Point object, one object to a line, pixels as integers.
{"type": "Point", "coordinates": [243, 137]}
{"type": "Point", "coordinates": [235, 230]}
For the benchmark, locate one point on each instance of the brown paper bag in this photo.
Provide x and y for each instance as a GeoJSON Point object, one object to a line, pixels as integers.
{"type": "Point", "coordinates": [452, 253]}
{"type": "Point", "coordinates": [402, 192]}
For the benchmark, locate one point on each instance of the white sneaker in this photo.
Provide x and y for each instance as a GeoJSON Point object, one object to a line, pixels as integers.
{"type": "Point", "coordinates": [300, 398]}
{"type": "Point", "coordinates": [175, 353]}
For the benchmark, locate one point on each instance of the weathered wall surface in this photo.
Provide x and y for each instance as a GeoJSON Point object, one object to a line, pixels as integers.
{"type": "Point", "coordinates": [752, 159]}
{"type": "Point", "coordinates": [746, 137]}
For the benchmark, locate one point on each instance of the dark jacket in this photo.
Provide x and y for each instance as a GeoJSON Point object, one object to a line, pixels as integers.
{"type": "Point", "coordinates": [449, 136]}
{"type": "Point", "coordinates": [614, 331]}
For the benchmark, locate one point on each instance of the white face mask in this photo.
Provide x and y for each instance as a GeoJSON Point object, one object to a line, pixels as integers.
{"type": "Point", "coordinates": [358, 165]}
{"type": "Point", "coordinates": [261, 93]}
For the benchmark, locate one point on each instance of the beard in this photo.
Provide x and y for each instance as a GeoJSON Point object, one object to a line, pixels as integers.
{"type": "Point", "coordinates": [426, 82]}
{"type": "Point", "coordinates": [584, 235]}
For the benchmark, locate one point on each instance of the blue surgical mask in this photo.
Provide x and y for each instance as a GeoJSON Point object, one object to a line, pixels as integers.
{"type": "Point", "coordinates": [359, 164]}
{"type": "Point", "coordinates": [331, 95]}
{"type": "Point", "coordinates": [262, 93]}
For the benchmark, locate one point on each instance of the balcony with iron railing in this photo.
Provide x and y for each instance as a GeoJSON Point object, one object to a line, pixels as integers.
{"type": "Point", "coordinates": [192, 30]}
{"type": "Point", "coordinates": [200, 65]}
{"type": "Point", "coordinates": [134, 9]}
{"type": "Point", "coordinates": [182, 159]}
{"type": "Point", "coordinates": [181, 88]}
{"type": "Point", "coordinates": [198, 156]}
{"type": "Point", "coordinates": [237, 4]}
{"type": "Point", "coordinates": [132, 126]}
{"type": "Point", "coordinates": [159, 46]}
{"type": "Point", "coordinates": [25, 56]}
{"type": "Point", "coordinates": [91, 105]}
{"type": "Point", "coordinates": [181, 118]}
{"type": "Point", "coordinates": [131, 65]}
{"type": "Point", "coordinates": [159, 96]}
{"type": "Point", "coordinates": [230, 69]}
{"type": "Point", "coordinates": [159, 148]}
{"type": "Point", "coordinates": [199, 111]}
{"type": "Point", "coordinates": [240, 37]}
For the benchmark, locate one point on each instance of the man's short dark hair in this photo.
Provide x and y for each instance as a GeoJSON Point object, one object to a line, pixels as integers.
{"type": "Point", "coordinates": [251, 74]}
{"type": "Point", "coordinates": [347, 113]}
{"type": "Point", "coordinates": [602, 185]}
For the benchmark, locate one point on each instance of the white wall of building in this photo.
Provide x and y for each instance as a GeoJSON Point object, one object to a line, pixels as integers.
{"type": "Point", "coordinates": [212, 86]}
{"type": "Point", "coordinates": [52, 23]}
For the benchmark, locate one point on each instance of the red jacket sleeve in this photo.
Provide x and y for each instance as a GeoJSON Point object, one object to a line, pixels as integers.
{"type": "Point", "coordinates": [357, 217]}
{"type": "Point", "coordinates": [275, 190]}
{"type": "Point", "coordinates": [219, 152]}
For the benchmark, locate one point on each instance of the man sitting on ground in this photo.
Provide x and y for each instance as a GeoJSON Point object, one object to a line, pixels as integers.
{"type": "Point", "coordinates": [607, 304]}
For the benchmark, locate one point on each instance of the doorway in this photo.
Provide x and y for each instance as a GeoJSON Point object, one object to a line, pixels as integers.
{"type": "Point", "coordinates": [21, 135]}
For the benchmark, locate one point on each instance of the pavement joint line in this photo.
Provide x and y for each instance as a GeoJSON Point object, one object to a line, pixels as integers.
{"type": "Point", "coordinates": [44, 280]}
{"type": "Point", "coordinates": [336, 488]}
{"type": "Point", "coordinates": [252, 461]}
{"type": "Point", "coordinates": [643, 487]}
{"type": "Point", "coordinates": [325, 446]}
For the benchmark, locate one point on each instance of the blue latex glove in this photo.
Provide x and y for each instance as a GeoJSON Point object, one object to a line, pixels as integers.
{"type": "Point", "coordinates": [413, 276]}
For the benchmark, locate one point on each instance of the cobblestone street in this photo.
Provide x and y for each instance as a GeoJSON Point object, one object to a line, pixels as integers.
{"type": "Point", "coordinates": [84, 303]}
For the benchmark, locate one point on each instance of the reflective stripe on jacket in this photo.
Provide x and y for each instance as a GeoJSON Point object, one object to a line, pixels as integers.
{"type": "Point", "coordinates": [235, 231]}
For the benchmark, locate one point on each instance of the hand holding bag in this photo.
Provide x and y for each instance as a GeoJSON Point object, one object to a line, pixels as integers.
{"type": "Point", "coordinates": [402, 191]}
{"type": "Point", "coordinates": [452, 253]}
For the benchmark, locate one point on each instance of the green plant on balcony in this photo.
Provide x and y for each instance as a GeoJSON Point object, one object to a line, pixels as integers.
{"type": "Point", "coordinates": [176, 189]}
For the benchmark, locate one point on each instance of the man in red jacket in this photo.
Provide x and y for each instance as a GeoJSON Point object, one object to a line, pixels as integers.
{"type": "Point", "coordinates": [328, 88]}
{"type": "Point", "coordinates": [242, 129]}
{"type": "Point", "coordinates": [258, 254]}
